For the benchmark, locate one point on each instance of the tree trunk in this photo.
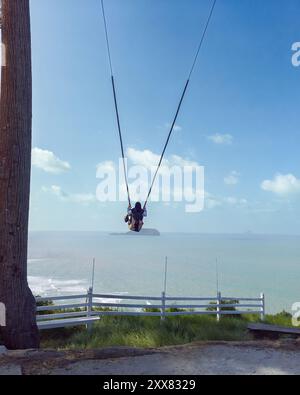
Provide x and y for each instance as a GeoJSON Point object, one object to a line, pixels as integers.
{"type": "Point", "coordinates": [20, 331]}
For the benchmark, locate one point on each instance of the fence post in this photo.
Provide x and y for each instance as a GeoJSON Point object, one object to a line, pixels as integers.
{"type": "Point", "coordinates": [89, 307]}
{"type": "Point", "coordinates": [263, 307]}
{"type": "Point", "coordinates": [219, 302]}
{"type": "Point", "coordinates": [163, 309]}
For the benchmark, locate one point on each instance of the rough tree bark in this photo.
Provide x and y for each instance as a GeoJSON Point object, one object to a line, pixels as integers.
{"type": "Point", "coordinates": [15, 163]}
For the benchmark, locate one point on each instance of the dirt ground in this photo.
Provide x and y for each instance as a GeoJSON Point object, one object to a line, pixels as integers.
{"type": "Point", "coordinates": [222, 358]}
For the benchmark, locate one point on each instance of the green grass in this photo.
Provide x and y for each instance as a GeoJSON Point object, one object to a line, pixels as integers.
{"type": "Point", "coordinates": [151, 332]}
{"type": "Point", "coordinates": [147, 332]}
{"type": "Point", "coordinates": [280, 319]}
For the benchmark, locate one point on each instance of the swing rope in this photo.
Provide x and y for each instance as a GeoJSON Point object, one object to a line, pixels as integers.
{"type": "Point", "coordinates": [116, 102]}
{"type": "Point", "coordinates": [178, 107]}
{"type": "Point", "coordinates": [181, 99]}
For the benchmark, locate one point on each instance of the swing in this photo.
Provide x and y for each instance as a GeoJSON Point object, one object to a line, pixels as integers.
{"type": "Point", "coordinates": [137, 224]}
{"type": "Point", "coordinates": [135, 217]}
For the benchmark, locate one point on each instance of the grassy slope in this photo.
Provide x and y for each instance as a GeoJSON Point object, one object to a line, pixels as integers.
{"type": "Point", "coordinates": [147, 332]}
{"type": "Point", "coordinates": [151, 332]}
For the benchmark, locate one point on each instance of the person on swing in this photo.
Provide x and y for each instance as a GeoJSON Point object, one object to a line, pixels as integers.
{"type": "Point", "coordinates": [135, 217]}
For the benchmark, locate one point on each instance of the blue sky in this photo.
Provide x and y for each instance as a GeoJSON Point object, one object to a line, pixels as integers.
{"type": "Point", "coordinates": [240, 119]}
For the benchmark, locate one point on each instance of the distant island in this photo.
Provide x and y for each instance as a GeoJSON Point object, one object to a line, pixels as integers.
{"type": "Point", "coordinates": [143, 232]}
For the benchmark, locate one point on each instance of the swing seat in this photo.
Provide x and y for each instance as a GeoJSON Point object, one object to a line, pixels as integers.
{"type": "Point", "coordinates": [135, 226]}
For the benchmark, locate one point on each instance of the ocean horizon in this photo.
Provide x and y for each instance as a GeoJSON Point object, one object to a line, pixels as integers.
{"type": "Point", "coordinates": [243, 265]}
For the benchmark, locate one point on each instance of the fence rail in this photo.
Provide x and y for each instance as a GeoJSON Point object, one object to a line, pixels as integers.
{"type": "Point", "coordinates": [90, 308]}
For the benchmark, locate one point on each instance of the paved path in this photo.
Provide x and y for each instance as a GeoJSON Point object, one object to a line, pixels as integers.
{"type": "Point", "coordinates": [250, 358]}
{"type": "Point", "coordinates": [204, 360]}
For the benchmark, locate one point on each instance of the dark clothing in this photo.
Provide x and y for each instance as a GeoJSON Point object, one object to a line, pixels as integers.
{"type": "Point", "coordinates": [135, 217]}
{"type": "Point", "coordinates": [138, 215]}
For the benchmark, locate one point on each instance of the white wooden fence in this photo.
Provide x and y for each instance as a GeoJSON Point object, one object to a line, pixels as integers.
{"type": "Point", "coordinates": [88, 305]}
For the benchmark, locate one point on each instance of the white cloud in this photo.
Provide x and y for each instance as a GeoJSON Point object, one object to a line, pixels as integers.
{"type": "Point", "coordinates": [47, 161]}
{"type": "Point", "coordinates": [143, 158]}
{"type": "Point", "coordinates": [149, 159]}
{"type": "Point", "coordinates": [84, 198]}
{"type": "Point", "coordinates": [225, 139]}
{"type": "Point", "coordinates": [233, 201]}
{"type": "Point", "coordinates": [282, 185]}
{"type": "Point", "coordinates": [55, 190]}
{"type": "Point", "coordinates": [179, 161]}
{"type": "Point", "coordinates": [177, 128]}
{"type": "Point", "coordinates": [232, 178]}
{"type": "Point", "coordinates": [105, 167]}
{"type": "Point", "coordinates": [212, 201]}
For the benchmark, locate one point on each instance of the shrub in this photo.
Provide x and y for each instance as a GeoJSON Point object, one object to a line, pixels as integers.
{"type": "Point", "coordinates": [225, 302]}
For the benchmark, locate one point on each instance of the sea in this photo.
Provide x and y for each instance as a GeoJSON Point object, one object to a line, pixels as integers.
{"type": "Point", "coordinates": [240, 265]}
